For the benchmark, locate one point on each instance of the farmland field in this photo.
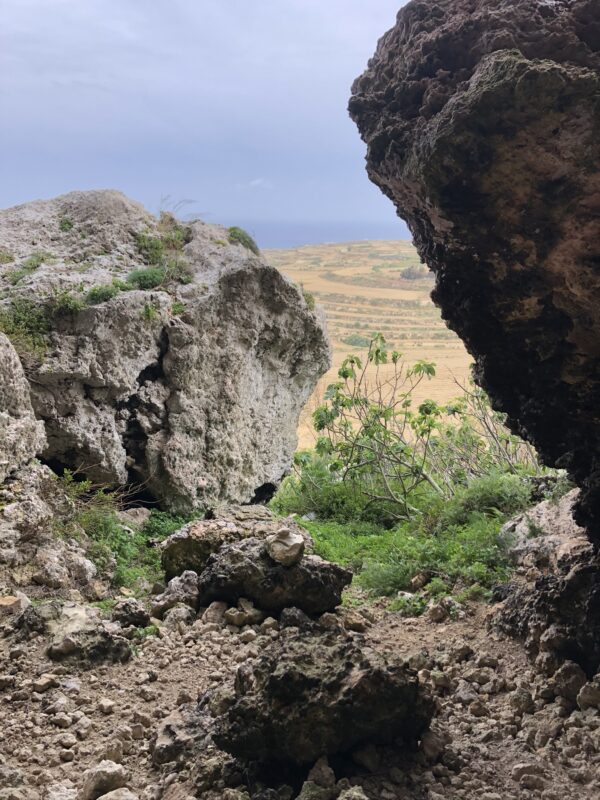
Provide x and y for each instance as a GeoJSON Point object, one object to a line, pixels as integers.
{"type": "Point", "coordinates": [364, 288]}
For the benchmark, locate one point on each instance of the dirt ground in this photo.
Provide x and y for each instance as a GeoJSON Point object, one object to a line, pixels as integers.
{"type": "Point", "coordinates": [498, 733]}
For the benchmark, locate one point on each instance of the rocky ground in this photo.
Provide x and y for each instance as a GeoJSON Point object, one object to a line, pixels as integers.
{"type": "Point", "coordinates": [501, 730]}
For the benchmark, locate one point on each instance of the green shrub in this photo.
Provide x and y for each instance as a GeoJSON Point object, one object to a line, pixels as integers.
{"type": "Point", "coordinates": [177, 309]}
{"type": "Point", "coordinates": [309, 299]}
{"type": "Point", "coordinates": [150, 312]}
{"type": "Point", "coordinates": [150, 248]}
{"type": "Point", "coordinates": [102, 294]}
{"type": "Point", "coordinates": [65, 225]}
{"type": "Point", "coordinates": [27, 325]}
{"type": "Point", "coordinates": [498, 494]}
{"type": "Point", "coordinates": [239, 236]}
{"type": "Point", "coordinates": [63, 303]}
{"type": "Point", "coordinates": [357, 340]}
{"type": "Point", "coordinates": [150, 278]}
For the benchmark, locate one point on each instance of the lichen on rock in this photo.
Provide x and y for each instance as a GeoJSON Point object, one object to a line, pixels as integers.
{"type": "Point", "coordinates": [158, 354]}
{"type": "Point", "coordinates": [481, 121]}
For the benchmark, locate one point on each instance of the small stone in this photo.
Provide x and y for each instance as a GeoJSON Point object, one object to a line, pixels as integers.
{"type": "Point", "coordinates": [215, 613]}
{"type": "Point", "coordinates": [248, 636]}
{"type": "Point", "coordinates": [103, 778]}
{"type": "Point", "coordinates": [106, 706]}
{"type": "Point", "coordinates": [119, 794]}
{"type": "Point", "coordinates": [286, 547]}
{"type": "Point", "coordinates": [44, 683]}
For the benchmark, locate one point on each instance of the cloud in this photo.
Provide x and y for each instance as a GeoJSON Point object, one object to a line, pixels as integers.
{"type": "Point", "coordinates": [241, 105]}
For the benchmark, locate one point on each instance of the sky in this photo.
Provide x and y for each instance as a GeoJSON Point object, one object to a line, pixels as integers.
{"type": "Point", "coordinates": [229, 110]}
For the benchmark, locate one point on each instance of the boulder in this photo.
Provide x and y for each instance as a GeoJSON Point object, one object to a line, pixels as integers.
{"type": "Point", "coordinates": [21, 435]}
{"type": "Point", "coordinates": [245, 569]}
{"type": "Point", "coordinates": [130, 612]}
{"type": "Point", "coordinates": [553, 602]}
{"type": "Point", "coordinates": [480, 121]}
{"type": "Point", "coordinates": [191, 546]}
{"type": "Point", "coordinates": [309, 695]}
{"type": "Point", "coordinates": [180, 590]}
{"type": "Point", "coordinates": [165, 355]}
{"type": "Point", "coordinates": [80, 634]}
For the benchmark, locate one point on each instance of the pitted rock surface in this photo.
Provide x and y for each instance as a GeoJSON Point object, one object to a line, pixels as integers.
{"type": "Point", "coordinates": [481, 124]}
{"type": "Point", "coordinates": [553, 604]}
{"type": "Point", "coordinates": [246, 570]}
{"type": "Point", "coordinates": [313, 694]}
{"type": "Point", "coordinates": [21, 435]}
{"type": "Point", "coordinates": [191, 390]}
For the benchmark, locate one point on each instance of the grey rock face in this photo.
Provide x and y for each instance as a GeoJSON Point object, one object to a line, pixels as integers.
{"type": "Point", "coordinates": [554, 602]}
{"type": "Point", "coordinates": [34, 504]}
{"type": "Point", "coordinates": [192, 388]}
{"type": "Point", "coordinates": [245, 569]}
{"type": "Point", "coordinates": [312, 694]}
{"type": "Point", "coordinates": [21, 436]}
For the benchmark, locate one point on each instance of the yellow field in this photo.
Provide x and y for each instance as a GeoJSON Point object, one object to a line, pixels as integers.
{"type": "Point", "coordinates": [362, 290]}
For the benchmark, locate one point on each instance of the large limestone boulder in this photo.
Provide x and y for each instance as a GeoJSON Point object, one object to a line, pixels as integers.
{"type": "Point", "coordinates": [190, 547]}
{"type": "Point", "coordinates": [246, 570]}
{"type": "Point", "coordinates": [159, 354]}
{"type": "Point", "coordinates": [21, 435]}
{"type": "Point", "coordinates": [309, 695]}
{"type": "Point", "coordinates": [481, 124]}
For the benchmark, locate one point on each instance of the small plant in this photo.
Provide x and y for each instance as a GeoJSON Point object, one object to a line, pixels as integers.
{"type": "Point", "coordinates": [150, 278]}
{"type": "Point", "coordinates": [150, 312]}
{"type": "Point", "coordinates": [239, 236]}
{"type": "Point", "coordinates": [409, 606]}
{"type": "Point", "coordinates": [102, 294]}
{"type": "Point", "coordinates": [65, 225]}
{"type": "Point", "coordinates": [179, 271]}
{"type": "Point", "coordinates": [144, 633]}
{"type": "Point", "coordinates": [15, 276]}
{"type": "Point", "coordinates": [36, 259]}
{"type": "Point", "coordinates": [27, 325]}
{"type": "Point", "coordinates": [177, 309]}
{"type": "Point", "coordinates": [63, 303]}
{"type": "Point", "coordinates": [357, 340]}
{"type": "Point", "coordinates": [151, 249]}
{"type": "Point", "coordinates": [6, 257]}
{"type": "Point", "coordinates": [309, 299]}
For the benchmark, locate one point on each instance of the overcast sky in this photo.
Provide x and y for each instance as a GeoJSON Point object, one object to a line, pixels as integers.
{"type": "Point", "coordinates": [238, 105]}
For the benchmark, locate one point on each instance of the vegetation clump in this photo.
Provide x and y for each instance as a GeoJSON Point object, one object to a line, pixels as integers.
{"type": "Point", "coordinates": [397, 489]}
{"type": "Point", "coordinates": [6, 257]}
{"type": "Point", "coordinates": [102, 294]}
{"type": "Point", "coordinates": [240, 236]}
{"type": "Point", "coordinates": [65, 225]}
{"type": "Point", "coordinates": [127, 558]}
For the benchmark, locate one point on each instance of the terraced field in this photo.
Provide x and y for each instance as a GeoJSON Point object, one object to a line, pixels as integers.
{"type": "Point", "coordinates": [364, 288]}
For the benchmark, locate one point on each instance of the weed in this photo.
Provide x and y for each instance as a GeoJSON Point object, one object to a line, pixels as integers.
{"type": "Point", "coordinates": [239, 236]}
{"type": "Point", "coordinates": [102, 294]}
{"type": "Point", "coordinates": [151, 249]}
{"type": "Point", "coordinates": [179, 271]}
{"type": "Point", "coordinates": [6, 257]}
{"type": "Point", "coordinates": [15, 276]}
{"type": "Point", "coordinates": [63, 304]}
{"type": "Point", "coordinates": [177, 309]}
{"type": "Point", "coordinates": [65, 225]}
{"type": "Point", "coordinates": [412, 606]}
{"type": "Point", "coordinates": [27, 325]}
{"type": "Point", "coordinates": [150, 312]}
{"type": "Point", "coordinates": [150, 278]}
{"type": "Point", "coordinates": [309, 299]}
{"type": "Point", "coordinates": [144, 633]}
{"type": "Point", "coordinates": [36, 259]}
